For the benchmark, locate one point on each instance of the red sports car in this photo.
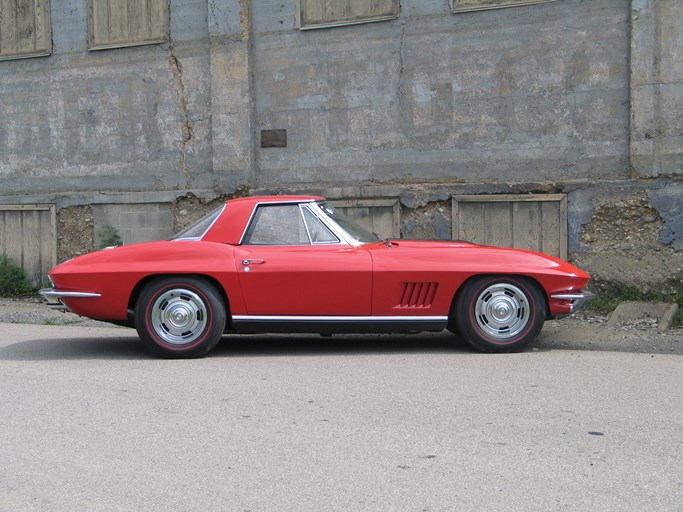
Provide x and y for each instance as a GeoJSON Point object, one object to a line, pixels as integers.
{"type": "Point", "coordinates": [294, 264]}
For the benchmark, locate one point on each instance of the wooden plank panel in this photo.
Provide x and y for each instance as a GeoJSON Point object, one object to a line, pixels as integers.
{"type": "Point", "coordinates": [382, 221]}
{"type": "Point", "coordinates": [360, 215]}
{"type": "Point", "coordinates": [8, 28]}
{"type": "Point", "coordinates": [477, 5]}
{"type": "Point", "coordinates": [537, 221]}
{"type": "Point", "coordinates": [381, 216]}
{"type": "Point", "coordinates": [471, 222]}
{"type": "Point", "coordinates": [43, 30]}
{"type": "Point", "coordinates": [2, 232]}
{"type": "Point", "coordinates": [158, 19]}
{"type": "Point", "coordinates": [118, 21]}
{"type": "Point", "coordinates": [550, 242]}
{"type": "Point", "coordinates": [47, 245]}
{"type": "Point", "coordinates": [26, 26]}
{"type": "Point", "coordinates": [28, 236]}
{"type": "Point", "coordinates": [526, 225]}
{"type": "Point", "coordinates": [99, 22]}
{"type": "Point", "coordinates": [562, 215]}
{"type": "Point", "coordinates": [322, 13]}
{"type": "Point", "coordinates": [31, 245]}
{"type": "Point", "coordinates": [498, 224]}
{"type": "Point", "coordinates": [138, 22]}
{"type": "Point", "coordinates": [13, 236]}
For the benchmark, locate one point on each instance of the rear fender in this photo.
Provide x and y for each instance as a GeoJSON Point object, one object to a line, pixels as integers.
{"type": "Point", "coordinates": [137, 290]}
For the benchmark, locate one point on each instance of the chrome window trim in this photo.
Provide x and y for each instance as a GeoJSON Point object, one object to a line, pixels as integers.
{"type": "Point", "coordinates": [308, 231]}
{"type": "Point", "coordinates": [267, 203]}
{"type": "Point", "coordinates": [199, 238]}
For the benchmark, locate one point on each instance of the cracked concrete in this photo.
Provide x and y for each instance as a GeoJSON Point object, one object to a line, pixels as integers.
{"type": "Point", "coordinates": [186, 130]}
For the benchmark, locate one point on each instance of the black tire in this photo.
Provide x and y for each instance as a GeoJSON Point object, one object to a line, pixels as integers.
{"type": "Point", "coordinates": [180, 317]}
{"type": "Point", "coordinates": [499, 313]}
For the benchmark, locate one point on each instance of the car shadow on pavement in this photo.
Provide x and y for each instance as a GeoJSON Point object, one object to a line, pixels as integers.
{"type": "Point", "coordinates": [288, 345]}
{"type": "Point", "coordinates": [131, 348]}
{"type": "Point", "coordinates": [128, 347]}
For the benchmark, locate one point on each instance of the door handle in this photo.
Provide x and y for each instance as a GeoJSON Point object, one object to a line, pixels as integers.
{"type": "Point", "coordinates": [246, 263]}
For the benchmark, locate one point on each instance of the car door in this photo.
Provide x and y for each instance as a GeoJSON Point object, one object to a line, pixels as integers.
{"type": "Point", "coordinates": [289, 263]}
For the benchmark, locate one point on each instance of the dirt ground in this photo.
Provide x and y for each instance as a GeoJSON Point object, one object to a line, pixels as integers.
{"type": "Point", "coordinates": [622, 242]}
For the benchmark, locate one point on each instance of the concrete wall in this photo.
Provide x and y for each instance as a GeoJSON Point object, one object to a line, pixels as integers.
{"type": "Point", "coordinates": [573, 96]}
{"type": "Point", "coordinates": [81, 121]}
{"type": "Point", "coordinates": [527, 94]}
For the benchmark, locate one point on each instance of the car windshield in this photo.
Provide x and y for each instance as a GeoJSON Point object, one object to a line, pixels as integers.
{"type": "Point", "coordinates": [351, 227]}
{"type": "Point", "coordinates": [197, 230]}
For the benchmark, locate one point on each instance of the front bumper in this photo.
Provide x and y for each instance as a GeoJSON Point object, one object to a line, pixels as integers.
{"type": "Point", "coordinates": [53, 297]}
{"type": "Point", "coordinates": [575, 300]}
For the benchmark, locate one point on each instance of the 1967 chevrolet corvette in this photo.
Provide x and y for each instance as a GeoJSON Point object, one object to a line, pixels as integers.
{"type": "Point", "coordinates": [293, 264]}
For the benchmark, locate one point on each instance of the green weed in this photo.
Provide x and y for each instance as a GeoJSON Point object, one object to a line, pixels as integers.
{"type": "Point", "coordinates": [13, 280]}
{"type": "Point", "coordinates": [608, 295]}
{"type": "Point", "coordinates": [108, 237]}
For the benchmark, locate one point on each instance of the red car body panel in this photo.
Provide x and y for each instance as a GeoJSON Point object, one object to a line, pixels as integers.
{"type": "Point", "coordinates": [306, 280]}
{"type": "Point", "coordinates": [442, 267]}
{"type": "Point", "coordinates": [398, 279]}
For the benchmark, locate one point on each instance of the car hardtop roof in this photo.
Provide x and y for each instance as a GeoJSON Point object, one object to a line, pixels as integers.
{"type": "Point", "coordinates": [230, 225]}
{"type": "Point", "coordinates": [275, 199]}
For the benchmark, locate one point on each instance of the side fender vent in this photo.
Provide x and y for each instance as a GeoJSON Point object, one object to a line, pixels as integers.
{"type": "Point", "coordinates": [418, 295]}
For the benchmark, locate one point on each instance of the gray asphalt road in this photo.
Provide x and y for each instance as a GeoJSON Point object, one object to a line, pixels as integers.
{"type": "Point", "coordinates": [90, 422]}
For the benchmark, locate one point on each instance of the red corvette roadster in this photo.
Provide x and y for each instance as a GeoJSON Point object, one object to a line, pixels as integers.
{"type": "Point", "coordinates": [286, 264]}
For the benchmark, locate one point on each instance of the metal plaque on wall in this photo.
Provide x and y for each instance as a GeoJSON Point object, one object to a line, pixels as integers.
{"type": "Point", "coordinates": [479, 5]}
{"type": "Point", "coordinates": [333, 13]}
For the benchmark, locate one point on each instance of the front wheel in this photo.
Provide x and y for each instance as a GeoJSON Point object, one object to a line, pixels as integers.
{"type": "Point", "coordinates": [180, 317]}
{"type": "Point", "coordinates": [499, 313]}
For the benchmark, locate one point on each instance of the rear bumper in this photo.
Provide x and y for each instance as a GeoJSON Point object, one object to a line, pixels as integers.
{"type": "Point", "coordinates": [575, 300]}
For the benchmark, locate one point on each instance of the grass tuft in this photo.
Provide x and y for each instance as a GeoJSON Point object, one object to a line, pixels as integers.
{"type": "Point", "coordinates": [609, 294]}
{"type": "Point", "coordinates": [13, 280]}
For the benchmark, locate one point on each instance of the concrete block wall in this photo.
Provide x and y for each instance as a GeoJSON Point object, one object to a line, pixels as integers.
{"type": "Point", "coordinates": [143, 222]}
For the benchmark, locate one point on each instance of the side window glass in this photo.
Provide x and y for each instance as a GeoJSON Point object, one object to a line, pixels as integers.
{"type": "Point", "coordinates": [318, 232]}
{"type": "Point", "coordinates": [277, 225]}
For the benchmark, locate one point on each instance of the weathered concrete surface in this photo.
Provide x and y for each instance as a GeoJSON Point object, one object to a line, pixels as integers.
{"type": "Point", "coordinates": [537, 93]}
{"type": "Point", "coordinates": [91, 422]}
{"type": "Point", "coordinates": [659, 315]}
{"type": "Point", "coordinates": [656, 87]}
{"type": "Point", "coordinates": [668, 201]}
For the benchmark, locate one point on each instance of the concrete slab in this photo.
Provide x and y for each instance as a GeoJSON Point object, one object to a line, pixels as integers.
{"type": "Point", "coordinates": [654, 315]}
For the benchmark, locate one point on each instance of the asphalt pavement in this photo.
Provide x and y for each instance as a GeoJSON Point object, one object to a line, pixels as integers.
{"type": "Point", "coordinates": [90, 421]}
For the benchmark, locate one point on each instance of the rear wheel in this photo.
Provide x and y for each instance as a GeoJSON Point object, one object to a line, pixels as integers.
{"type": "Point", "coordinates": [499, 313]}
{"type": "Point", "coordinates": [180, 317]}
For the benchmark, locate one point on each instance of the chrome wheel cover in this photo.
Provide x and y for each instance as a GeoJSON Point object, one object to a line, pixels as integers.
{"type": "Point", "coordinates": [179, 316]}
{"type": "Point", "coordinates": [502, 311]}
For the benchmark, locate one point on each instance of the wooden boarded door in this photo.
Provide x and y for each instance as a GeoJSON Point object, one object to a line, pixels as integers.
{"type": "Point", "coordinates": [381, 216]}
{"type": "Point", "coordinates": [537, 222]}
{"type": "Point", "coordinates": [28, 236]}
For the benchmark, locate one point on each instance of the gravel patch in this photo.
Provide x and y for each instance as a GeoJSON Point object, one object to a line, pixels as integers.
{"type": "Point", "coordinates": [32, 310]}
